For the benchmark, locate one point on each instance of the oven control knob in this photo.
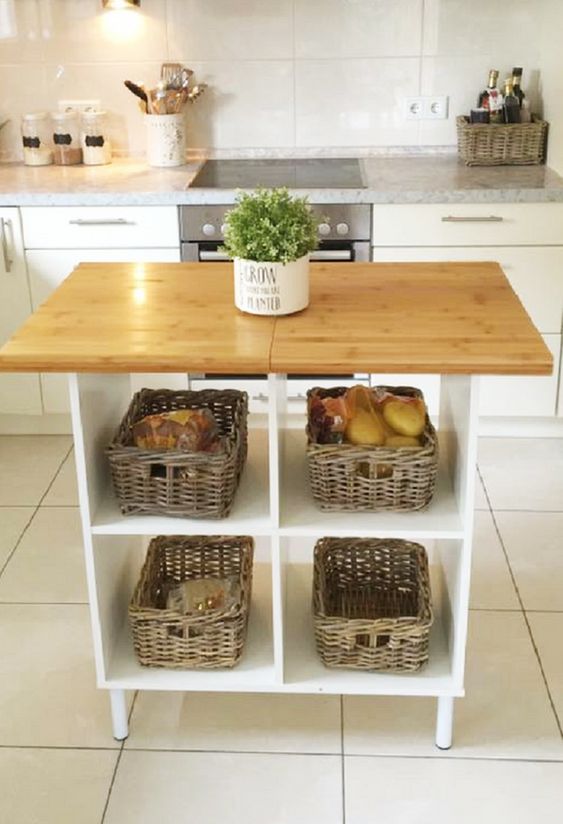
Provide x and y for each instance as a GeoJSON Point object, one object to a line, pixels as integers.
{"type": "Point", "coordinates": [324, 229]}
{"type": "Point", "coordinates": [342, 228]}
{"type": "Point", "coordinates": [208, 229]}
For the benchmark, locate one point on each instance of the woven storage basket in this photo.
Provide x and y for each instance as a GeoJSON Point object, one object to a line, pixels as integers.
{"type": "Point", "coordinates": [172, 482]}
{"type": "Point", "coordinates": [165, 638]}
{"type": "Point", "coordinates": [501, 144]}
{"type": "Point", "coordinates": [345, 477]}
{"type": "Point", "coordinates": [371, 603]}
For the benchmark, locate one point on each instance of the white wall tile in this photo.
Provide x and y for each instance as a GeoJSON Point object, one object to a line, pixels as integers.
{"type": "Point", "coordinates": [247, 104]}
{"type": "Point", "coordinates": [82, 32]}
{"type": "Point", "coordinates": [230, 29]}
{"type": "Point", "coordinates": [104, 81]}
{"type": "Point", "coordinates": [355, 102]}
{"type": "Point", "coordinates": [462, 29]}
{"type": "Point", "coordinates": [357, 28]}
{"type": "Point", "coordinates": [17, 98]}
{"type": "Point", "coordinates": [21, 32]}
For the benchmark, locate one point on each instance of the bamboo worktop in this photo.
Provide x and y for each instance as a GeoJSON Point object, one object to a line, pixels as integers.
{"type": "Point", "coordinates": [363, 317]}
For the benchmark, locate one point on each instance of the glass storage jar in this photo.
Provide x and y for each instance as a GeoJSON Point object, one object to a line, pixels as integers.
{"type": "Point", "coordinates": [66, 137]}
{"type": "Point", "coordinates": [37, 139]}
{"type": "Point", "coordinates": [96, 146]}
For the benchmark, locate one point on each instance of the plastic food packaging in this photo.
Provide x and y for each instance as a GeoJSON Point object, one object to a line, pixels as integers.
{"type": "Point", "coordinates": [188, 430]}
{"type": "Point", "coordinates": [202, 595]}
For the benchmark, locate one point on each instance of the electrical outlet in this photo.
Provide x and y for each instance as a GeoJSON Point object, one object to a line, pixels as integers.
{"type": "Point", "coordinates": [435, 108]}
{"type": "Point", "coordinates": [414, 107]}
{"type": "Point", "coordinates": [78, 105]}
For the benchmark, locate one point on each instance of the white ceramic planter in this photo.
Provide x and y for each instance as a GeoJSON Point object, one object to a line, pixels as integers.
{"type": "Point", "coordinates": [266, 288]}
{"type": "Point", "coordinates": [166, 139]}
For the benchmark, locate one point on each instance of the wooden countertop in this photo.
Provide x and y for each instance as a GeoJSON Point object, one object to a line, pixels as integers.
{"type": "Point", "coordinates": [363, 317]}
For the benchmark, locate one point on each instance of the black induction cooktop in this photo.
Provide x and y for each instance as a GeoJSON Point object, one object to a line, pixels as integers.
{"type": "Point", "coordinates": [310, 173]}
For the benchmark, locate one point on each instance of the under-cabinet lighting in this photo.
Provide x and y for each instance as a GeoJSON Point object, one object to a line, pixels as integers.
{"type": "Point", "coordinates": [120, 4]}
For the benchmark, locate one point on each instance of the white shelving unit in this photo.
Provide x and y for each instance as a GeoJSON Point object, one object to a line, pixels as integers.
{"type": "Point", "coordinates": [273, 504]}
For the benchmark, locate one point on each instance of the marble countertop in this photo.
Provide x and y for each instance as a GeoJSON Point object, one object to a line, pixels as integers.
{"type": "Point", "coordinates": [417, 179]}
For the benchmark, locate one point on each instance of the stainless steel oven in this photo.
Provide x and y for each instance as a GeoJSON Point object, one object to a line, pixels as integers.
{"type": "Point", "coordinates": [344, 232]}
{"type": "Point", "coordinates": [344, 235]}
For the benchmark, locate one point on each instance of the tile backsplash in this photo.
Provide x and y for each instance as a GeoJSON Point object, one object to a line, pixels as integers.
{"type": "Point", "coordinates": [282, 74]}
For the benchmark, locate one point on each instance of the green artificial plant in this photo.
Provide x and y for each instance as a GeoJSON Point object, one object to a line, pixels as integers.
{"type": "Point", "coordinates": [270, 225]}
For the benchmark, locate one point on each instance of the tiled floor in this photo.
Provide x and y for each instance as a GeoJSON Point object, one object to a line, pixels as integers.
{"type": "Point", "coordinates": [229, 759]}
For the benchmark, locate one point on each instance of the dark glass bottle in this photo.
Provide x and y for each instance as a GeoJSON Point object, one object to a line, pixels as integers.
{"type": "Point", "coordinates": [491, 99]}
{"type": "Point", "coordinates": [517, 84]}
{"type": "Point", "coordinates": [511, 105]}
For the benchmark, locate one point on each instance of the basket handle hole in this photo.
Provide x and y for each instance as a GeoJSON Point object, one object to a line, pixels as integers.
{"type": "Point", "coordinates": [372, 471]}
{"type": "Point", "coordinates": [373, 641]}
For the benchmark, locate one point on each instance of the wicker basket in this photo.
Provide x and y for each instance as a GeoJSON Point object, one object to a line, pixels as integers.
{"type": "Point", "coordinates": [166, 638]}
{"type": "Point", "coordinates": [344, 477]}
{"type": "Point", "coordinates": [501, 144]}
{"type": "Point", "coordinates": [371, 603]}
{"type": "Point", "coordinates": [172, 482]}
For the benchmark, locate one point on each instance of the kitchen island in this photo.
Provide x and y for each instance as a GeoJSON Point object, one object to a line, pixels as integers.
{"type": "Point", "coordinates": [107, 322]}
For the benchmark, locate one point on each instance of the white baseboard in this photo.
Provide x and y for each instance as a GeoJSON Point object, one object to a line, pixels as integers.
{"type": "Point", "coordinates": [490, 427]}
{"type": "Point", "coordinates": [51, 424]}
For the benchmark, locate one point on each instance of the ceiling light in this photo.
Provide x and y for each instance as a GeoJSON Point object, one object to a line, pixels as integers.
{"type": "Point", "coordinates": [120, 4]}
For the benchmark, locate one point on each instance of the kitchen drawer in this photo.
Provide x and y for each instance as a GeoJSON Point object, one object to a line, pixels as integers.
{"type": "Point", "coordinates": [257, 389]}
{"type": "Point", "coordinates": [104, 227]}
{"type": "Point", "coordinates": [469, 224]}
{"type": "Point", "coordinates": [522, 396]}
{"type": "Point", "coordinates": [535, 273]}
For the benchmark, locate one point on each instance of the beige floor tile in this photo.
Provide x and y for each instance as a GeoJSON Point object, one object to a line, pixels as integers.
{"type": "Point", "coordinates": [491, 584]}
{"type": "Point", "coordinates": [13, 521]}
{"type": "Point", "coordinates": [48, 565]}
{"type": "Point", "coordinates": [533, 542]}
{"type": "Point", "coordinates": [48, 694]}
{"type": "Point", "coordinates": [251, 723]}
{"type": "Point", "coordinates": [523, 473]}
{"type": "Point", "coordinates": [27, 466]}
{"type": "Point", "coordinates": [226, 789]}
{"type": "Point", "coordinates": [54, 786]}
{"type": "Point", "coordinates": [506, 712]}
{"type": "Point", "coordinates": [420, 791]}
{"type": "Point", "coordinates": [64, 491]}
{"type": "Point", "coordinates": [547, 629]}
{"type": "Point", "coordinates": [481, 501]}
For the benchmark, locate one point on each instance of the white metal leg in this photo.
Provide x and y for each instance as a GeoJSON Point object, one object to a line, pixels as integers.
{"type": "Point", "coordinates": [119, 714]}
{"type": "Point", "coordinates": [444, 722]}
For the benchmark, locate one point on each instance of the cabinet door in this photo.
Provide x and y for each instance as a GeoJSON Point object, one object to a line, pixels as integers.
{"type": "Point", "coordinates": [19, 393]}
{"type": "Point", "coordinates": [47, 270]}
{"type": "Point", "coordinates": [527, 395]}
{"type": "Point", "coordinates": [536, 275]}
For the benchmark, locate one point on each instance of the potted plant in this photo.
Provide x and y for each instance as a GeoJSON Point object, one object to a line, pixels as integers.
{"type": "Point", "coordinates": [269, 234]}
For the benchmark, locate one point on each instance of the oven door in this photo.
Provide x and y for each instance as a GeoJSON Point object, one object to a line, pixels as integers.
{"type": "Point", "coordinates": [328, 252]}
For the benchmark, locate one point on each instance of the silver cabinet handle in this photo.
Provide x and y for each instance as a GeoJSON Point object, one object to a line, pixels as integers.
{"type": "Point", "coordinates": [331, 254]}
{"type": "Point", "coordinates": [8, 261]}
{"type": "Point", "coordinates": [208, 255]}
{"type": "Point", "coordinates": [116, 221]}
{"type": "Point", "coordinates": [477, 219]}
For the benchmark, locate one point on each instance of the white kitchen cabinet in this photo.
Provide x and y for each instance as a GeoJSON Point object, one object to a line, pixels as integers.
{"type": "Point", "coordinates": [49, 267]}
{"type": "Point", "coordinates": [468, 224]}
{"type": "Point", "coordinates": [19, 393]}
{"type": "Point", "coordinates": [100, 227]}
{"type": "Point", "coordinates": [58, 239]}
{"type": "Point", "coordinates": [526, 240]}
